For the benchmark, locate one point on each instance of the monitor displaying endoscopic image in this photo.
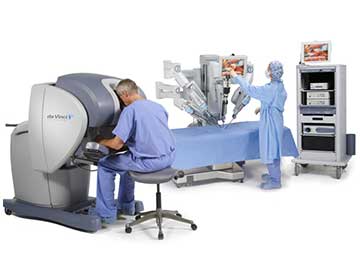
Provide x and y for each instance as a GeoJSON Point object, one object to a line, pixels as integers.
{"type": "Point", "coordinates": [238, 63]}
{"type": "Point", "coordinates": [315, 52]}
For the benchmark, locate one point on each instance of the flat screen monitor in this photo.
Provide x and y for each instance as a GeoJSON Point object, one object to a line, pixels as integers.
{"type": "Point", "coordinates": [236, 62]}
{"type": "Point", "coordinates": [315, 52]}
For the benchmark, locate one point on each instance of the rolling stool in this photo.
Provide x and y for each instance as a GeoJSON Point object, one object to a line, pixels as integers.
{"type": "Point", "coordinates": [157, 177]}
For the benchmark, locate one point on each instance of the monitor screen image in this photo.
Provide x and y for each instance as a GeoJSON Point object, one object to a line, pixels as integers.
{"type": "Point", "coordinates": [236, 63]}
{"type": "Point", "coordinates": [316, 52]}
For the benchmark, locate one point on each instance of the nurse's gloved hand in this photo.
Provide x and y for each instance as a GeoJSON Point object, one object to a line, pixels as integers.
{"type": "Point", "coordinates": [257, 110]}
{"type": "Point", "coordinates": [233, 73]}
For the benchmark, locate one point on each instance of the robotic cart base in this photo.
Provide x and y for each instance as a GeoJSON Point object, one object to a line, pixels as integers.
{"type": "Point", "coordinates": [68, 217]}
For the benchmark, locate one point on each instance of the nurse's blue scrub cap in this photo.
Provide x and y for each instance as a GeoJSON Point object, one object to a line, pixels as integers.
{"type": "Point", "coordinates": [276, 69]}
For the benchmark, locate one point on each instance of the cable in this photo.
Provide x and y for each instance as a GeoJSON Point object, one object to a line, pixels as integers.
{"type": "Point", "coordinates": [227, 125]}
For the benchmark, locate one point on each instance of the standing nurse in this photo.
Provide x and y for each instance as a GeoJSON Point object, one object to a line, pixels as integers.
{"type": "Point", "coordinates": [272, 97]}
{"type": "Point", "coordinates": [143, 127]}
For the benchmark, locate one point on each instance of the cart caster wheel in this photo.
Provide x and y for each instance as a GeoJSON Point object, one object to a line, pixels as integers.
{"type": "Point", "coordinates": [137, 217]}
{"type": "Point", "coordinates": [193, 227]}
{"type": "Point", "coordinates": [160, 236]}
{"type": "Point", "coordinates": [128, 229]}
{"type": "Point", "coordinates": [338, 172]}
{"type": "Point", "coordinates": [178, 214]}
{"type": "Point", "coordinates": [297, 169]}
{"type": "Point", "coordinates": [344, 167]}
{"type": "Point", "coordinates": [8, 212]}
{"type": "Point", "coordinates": [241, 181]}
{"type": "Point", "coordinates": [304, 165]}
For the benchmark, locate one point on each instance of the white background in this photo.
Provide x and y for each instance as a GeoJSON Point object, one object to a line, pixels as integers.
{"type": "Point", "coordinates": [307, 230]}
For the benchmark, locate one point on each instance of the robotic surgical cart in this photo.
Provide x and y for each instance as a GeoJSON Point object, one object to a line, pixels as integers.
{"type": "Point", "coordinates": [204, 93]}
{"type": "Point", "coordinates": [52, 152]}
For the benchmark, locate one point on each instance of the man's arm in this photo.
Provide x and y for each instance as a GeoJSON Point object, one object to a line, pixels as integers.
{"type": "Point", "coordinates": [114, 143]}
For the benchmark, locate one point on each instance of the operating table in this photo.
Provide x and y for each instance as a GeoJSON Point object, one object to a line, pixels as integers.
{"type": "Point", "coordinates": [213, 153]}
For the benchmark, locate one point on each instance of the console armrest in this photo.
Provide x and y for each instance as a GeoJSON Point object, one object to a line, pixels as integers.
{"type": "Point", "coordinates": [95, 151]}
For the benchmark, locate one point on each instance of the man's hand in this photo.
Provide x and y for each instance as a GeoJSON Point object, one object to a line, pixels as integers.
{"type": "Point", "coordinates": [98, 138]}
{"type": "Point", "coordinates": [114, 143]}
{"type": "Point", "coordinates": [257, 110]}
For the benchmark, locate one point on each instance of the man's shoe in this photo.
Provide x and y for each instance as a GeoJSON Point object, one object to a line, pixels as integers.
{"type": "Point", "coordinates": [104, 220]}
{"type": "Point", "coordinates": [131, 210]}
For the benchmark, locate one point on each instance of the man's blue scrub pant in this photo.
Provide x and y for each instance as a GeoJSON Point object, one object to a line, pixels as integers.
{"type": "Point", "coordinates": [108, 167]}
{"type": "Point", "coordinates": [274, 172]}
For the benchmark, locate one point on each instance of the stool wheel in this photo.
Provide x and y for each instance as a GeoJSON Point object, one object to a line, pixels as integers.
{"type": "Point", "coordinates": [193, 227]}
{"type": "Point", "coordinates": [178, 214]}
{"type": "Point", "coordinates": [128, 229]}
{"type": "Point", "coordinates": [160, 236]}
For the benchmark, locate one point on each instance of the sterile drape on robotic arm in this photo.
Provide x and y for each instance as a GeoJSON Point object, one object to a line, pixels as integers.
{"type": "Point", "coordinates": [203, 92]}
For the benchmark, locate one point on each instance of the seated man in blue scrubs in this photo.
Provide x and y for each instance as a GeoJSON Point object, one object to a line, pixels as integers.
{"type": "Point", "coordinates": [143, 127]}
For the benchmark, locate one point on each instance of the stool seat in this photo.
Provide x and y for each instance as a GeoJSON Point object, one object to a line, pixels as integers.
{"type": "Point", "coordinates": [156, 177]}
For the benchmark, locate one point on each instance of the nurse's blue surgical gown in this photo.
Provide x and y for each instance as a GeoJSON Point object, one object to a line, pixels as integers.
{"type": "Point", "coordinates": [272, 97]}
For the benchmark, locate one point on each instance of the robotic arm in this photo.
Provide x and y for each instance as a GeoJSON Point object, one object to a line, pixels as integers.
{"type": "Point", "coordinates": [240, 99]}
{"type": "Point", "coordinates": [203, 93]}
{"type": "Point", "coordinates": [187, 96]}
